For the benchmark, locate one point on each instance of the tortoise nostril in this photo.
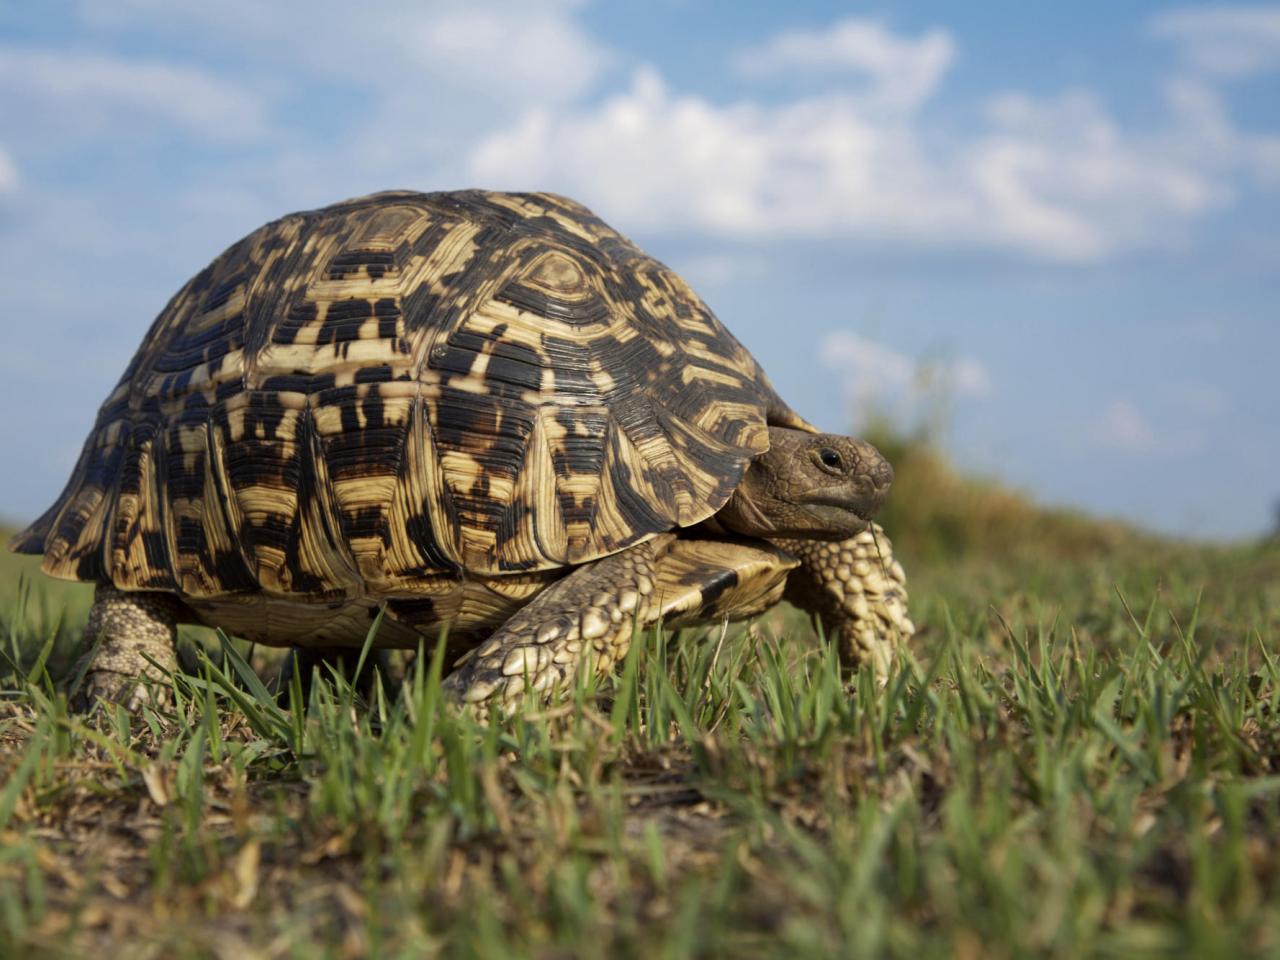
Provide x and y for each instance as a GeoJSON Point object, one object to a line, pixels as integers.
{"type": "Point", "coordinates": [882, 474]}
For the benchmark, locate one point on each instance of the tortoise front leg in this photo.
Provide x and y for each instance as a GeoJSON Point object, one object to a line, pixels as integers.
{"type": "Point", "coordinates": [128, 627]}
{"type": "Point", "coordinates": [859, 593]}
{"type": "Point", "coordinates": [589, 615]}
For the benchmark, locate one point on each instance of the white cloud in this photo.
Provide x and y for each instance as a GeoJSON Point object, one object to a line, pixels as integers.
{"type": "Point", "coordinates": [902, 72]}
{"type": "Point", "coordinates": [412, 85]}
{"type": "Point", "coordinates": [1205, 135]}
{"type": "Point", "coordinates": [1175, 420]}
{"type": "Point", "coordinates": [1201, 401]}
{"type": "Point", "coordinates": [1123, 426]}
{"type": "Point", "coordinates": [1055, 177]}
{"type": "Point", "coordinates": [1220, 44]}
{"type": "Point", "coordinates": [705, 271]}
{"type": "Point", "coordinates": [500, 95]}
{"type": "Point", "coordinates": [1226, 41]}
{"type": "Point", "coordinates": [968, 377]}
{"type": "Point", "coordinates": [1206, 331]}
{"type": "Point", "coordinates": [9, 178]}
{"type": "Point", "coordinates": [1060, 175]}
{"type": "Point", "coordinates": [530, 54]}
{"type": "Point", "coordinates": [653, 158]}
{"type": "Point", "coordinates": [878, 378]}
{"type": "Point", "coordinates": [86, 94]}
{"type": "Point", "coordinates": [870, 369]}
{"type": "Point", "coordinates": [1052, 178]}
{"type": "Point", "coordinates": [508, 52]}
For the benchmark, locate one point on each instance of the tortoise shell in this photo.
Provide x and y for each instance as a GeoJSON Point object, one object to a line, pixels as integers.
{"type": "Point", "coordinates": [402, 386]}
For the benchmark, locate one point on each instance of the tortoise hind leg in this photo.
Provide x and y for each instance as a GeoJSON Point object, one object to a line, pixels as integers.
{"type": "Point", "coordinates": [126, 628]}
{"type": "Point", "coordinates": [589, 615]}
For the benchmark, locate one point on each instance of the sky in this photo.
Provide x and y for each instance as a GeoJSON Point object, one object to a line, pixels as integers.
{"type": "Point", "coordinates": [1050, 229]}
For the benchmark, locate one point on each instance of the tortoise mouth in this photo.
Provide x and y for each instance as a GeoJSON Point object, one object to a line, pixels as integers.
{"type": "Point", "coordinates": [864, 507]}
{"type": "Point", "coordinates": [839, 514]}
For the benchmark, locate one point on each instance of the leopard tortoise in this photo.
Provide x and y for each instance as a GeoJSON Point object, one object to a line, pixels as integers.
{"type": "Point", "coordinates": [486, 410]}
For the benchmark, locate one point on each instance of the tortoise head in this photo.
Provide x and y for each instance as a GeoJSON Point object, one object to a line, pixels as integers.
{"type": "Point", "coordinates": [819, 486]}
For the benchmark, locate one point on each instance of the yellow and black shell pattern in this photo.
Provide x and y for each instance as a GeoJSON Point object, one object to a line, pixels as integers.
{"type": "Point", "coordinates": [403, 386]}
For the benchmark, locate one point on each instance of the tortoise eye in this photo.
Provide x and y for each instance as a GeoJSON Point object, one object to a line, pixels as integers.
{"type": "Point", "coordinates": [830, 458]}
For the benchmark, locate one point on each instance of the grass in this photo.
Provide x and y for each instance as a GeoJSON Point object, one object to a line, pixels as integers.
{"type": "Point", "coordinates": [1079, 756]}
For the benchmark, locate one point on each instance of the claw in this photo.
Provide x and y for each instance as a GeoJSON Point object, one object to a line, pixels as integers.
{"type": "Point", "coordinates": [109, 687]}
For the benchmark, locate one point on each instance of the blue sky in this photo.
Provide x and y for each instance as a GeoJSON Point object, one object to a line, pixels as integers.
{"type": "Point", "coordinates": [1060, 219]}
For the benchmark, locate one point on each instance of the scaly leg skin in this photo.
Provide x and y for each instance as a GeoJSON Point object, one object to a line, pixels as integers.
{"type": "Point", "coordinates": [126, 628]}
{"type": "Point", "coordinates": [859, 593]}
{"type": "Point", "coordinates": [589, 615]}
